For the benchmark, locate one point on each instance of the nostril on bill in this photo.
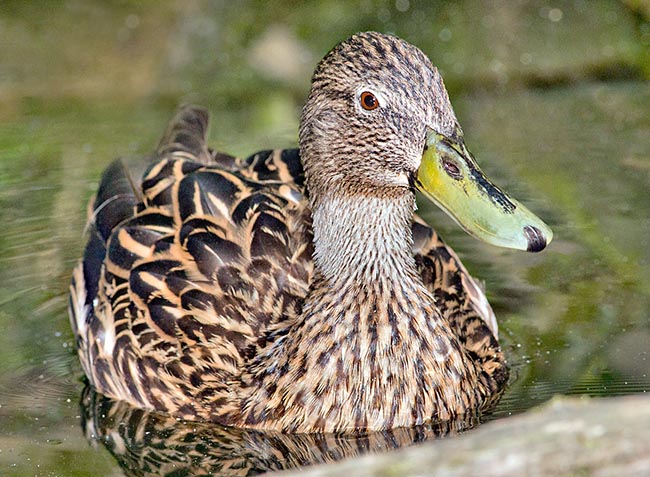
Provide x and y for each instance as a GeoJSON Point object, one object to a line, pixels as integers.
{"type": "Point", "coordinates": [536, 239]}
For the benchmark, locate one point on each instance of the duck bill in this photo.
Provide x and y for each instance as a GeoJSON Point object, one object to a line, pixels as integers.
{"type": "Point", "coordinates": [450, 177]}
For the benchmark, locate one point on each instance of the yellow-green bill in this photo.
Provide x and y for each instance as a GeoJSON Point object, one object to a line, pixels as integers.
{"type": "Point", "coordinates": [450, 177]}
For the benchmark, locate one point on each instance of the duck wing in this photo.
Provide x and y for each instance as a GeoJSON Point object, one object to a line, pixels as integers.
{"type": "Point", "coordinates": [184, 273]}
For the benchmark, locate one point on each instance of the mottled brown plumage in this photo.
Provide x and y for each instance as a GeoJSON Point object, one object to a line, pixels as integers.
{"type": "Point", "coordinates": [250, 293]}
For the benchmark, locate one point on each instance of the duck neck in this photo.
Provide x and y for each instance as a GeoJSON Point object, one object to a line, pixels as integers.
{"type": "Point", "coordinates": [363, 239]}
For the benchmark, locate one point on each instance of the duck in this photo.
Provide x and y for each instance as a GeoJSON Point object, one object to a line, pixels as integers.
{"type": "Point", "coordinates": [297, 290]}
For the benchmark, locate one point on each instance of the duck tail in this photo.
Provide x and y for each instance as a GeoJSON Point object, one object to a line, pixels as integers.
{"type": "Point", "coordinates": [186, 134]}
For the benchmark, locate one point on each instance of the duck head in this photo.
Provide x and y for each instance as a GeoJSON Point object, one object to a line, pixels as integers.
{"type": "Point", "coordinates": [378, 122]}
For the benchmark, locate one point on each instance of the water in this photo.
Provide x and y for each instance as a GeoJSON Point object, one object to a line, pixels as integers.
{"type": "Point", "coordinates": [84, 82]}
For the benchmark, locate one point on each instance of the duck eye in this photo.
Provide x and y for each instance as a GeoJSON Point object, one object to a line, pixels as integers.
{"type": "Point", "coordinates": [368, 101]}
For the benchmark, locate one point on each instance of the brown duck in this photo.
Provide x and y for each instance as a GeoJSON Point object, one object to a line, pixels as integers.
{"type": "Point", "coordinates": [296, 290]}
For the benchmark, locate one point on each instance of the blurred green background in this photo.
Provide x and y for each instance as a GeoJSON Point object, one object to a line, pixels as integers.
{"type": "Point", "coordinates": [553, 97]}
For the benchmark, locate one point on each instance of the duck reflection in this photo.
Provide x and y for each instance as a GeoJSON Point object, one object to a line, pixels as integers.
{"type": "Point", "coordinates": [146, 443]}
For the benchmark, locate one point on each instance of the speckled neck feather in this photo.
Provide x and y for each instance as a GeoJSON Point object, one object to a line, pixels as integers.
{"type": "Point", "coordinates": [362, 238]}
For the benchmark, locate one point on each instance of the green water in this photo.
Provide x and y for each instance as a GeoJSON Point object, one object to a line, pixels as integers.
{"type": "Point", "coordinates": [554, 104]}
